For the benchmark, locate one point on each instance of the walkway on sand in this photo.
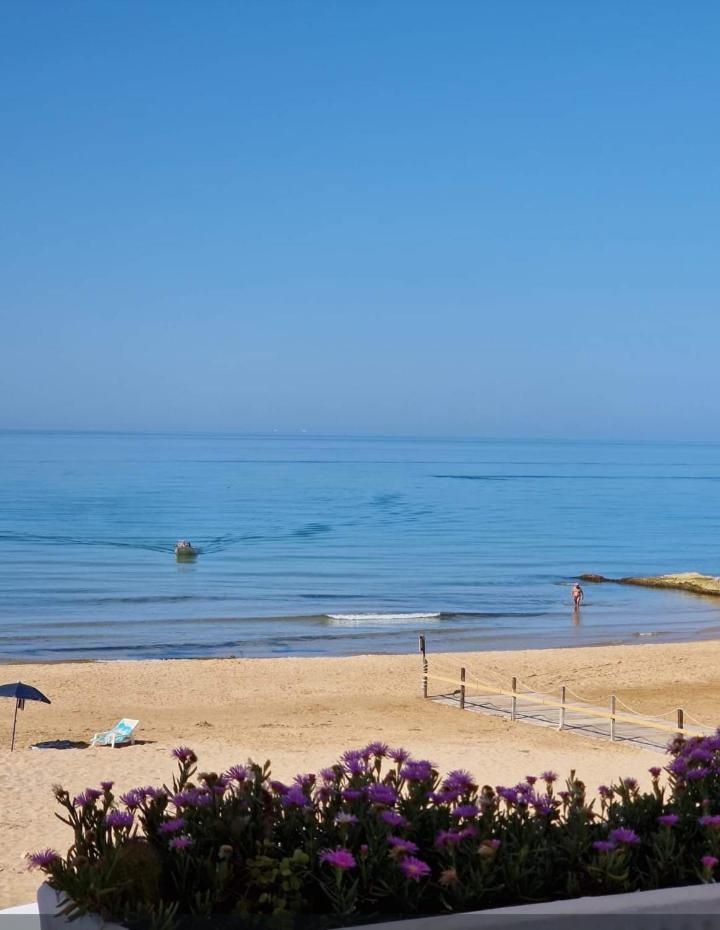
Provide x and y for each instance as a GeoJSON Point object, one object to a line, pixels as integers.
{"type": "Point", "coordinates": [561, 709]}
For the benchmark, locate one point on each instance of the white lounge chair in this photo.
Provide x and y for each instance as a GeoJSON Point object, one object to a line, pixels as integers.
{"type": "Point", "coordinates": [121, 733]}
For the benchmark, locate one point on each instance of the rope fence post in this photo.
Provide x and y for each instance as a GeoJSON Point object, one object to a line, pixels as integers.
{"type": "Point", "coordinates": [612, 716]}
{"type": "Point", "coordinates": [462, 688]}
{"type": "Point", "coordinates": [513, 705]}
{"type": "Point", "coordinates": [561, 721]}
{"type": "Point", "coordinates": [424, 666]}
{"type": "Point", "coordinates": [680, 720]}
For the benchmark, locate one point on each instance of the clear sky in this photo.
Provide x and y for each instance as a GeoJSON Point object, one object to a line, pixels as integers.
{"type": "Point", "coordinates": [459, 217]}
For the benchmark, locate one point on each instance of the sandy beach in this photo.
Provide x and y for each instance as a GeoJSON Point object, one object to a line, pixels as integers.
{"type": "Point", "coordinates": [301, 713]}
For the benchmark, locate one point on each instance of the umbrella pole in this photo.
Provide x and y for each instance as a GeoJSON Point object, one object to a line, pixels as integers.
{"type": "Point", "coordinates": [12, 744]}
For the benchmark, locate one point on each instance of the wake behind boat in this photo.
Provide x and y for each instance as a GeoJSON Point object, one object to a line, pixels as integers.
{"type": "Point", "coordinates": [185, 551]}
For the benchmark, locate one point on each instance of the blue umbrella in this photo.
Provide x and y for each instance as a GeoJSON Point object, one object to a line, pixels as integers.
{"type": "Point", "coordinates": [21, 693]}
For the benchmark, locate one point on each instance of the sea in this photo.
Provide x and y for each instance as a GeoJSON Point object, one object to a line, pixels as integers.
{"type": "Point", "coordinates": [313, 546]}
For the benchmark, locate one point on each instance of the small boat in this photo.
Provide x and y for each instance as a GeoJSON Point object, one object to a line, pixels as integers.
{"type": "Point", "coordinates": [185, 551]}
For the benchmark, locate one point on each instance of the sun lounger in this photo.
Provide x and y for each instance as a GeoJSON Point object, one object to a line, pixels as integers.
{"type": "Point", "coordinates": [121, 733]}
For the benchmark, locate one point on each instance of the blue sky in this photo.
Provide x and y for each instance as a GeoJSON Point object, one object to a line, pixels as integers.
{"type": "Point", "coordinates": [405, 217]}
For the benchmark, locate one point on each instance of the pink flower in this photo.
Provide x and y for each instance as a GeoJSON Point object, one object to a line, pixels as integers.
{"type": "Point", "coordinates": [414, 869]}
{"type": "Point", "coordinates": [339, 858]}
{"type": "Point", "coordinates": [709, 862]}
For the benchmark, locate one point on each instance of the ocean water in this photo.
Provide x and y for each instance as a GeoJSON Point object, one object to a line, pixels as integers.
{"type": "Point", "coordinates": [315, 546]}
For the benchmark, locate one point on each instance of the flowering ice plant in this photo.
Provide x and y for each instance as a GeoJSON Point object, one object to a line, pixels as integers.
{"type": "Point", "coordinates": [379, 834]}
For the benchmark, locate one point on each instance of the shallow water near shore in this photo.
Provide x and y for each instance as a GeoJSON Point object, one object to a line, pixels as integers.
{"type": "Point", "coordinates": [320, 546]}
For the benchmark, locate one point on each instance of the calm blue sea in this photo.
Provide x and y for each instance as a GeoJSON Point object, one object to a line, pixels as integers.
{"type": "Point", "coordinates": [315, 546]}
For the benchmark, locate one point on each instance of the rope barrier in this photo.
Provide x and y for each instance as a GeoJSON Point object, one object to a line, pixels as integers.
{"type": "Point", "coordinates": [589, 710]}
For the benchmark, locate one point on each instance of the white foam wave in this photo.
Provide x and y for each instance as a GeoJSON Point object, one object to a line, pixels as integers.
{"type": "Point", "coordinates": [382, 618]}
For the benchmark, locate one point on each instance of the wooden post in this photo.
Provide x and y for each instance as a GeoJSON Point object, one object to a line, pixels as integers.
{"type": "Point", "coordinates": [561, 721]}
{"type": "Point", "coordinates": [513, 706]}
{"type": "Point", "coordinates": [12, 743]}
{"type": "Point", "coordinates": [612, 717]}
{"type": "Point", "coordinates": [680, 720]}
{"type": "Point", "coordinates": [462, 688]}
{"type": "Point", "coordinates": [424, 666]}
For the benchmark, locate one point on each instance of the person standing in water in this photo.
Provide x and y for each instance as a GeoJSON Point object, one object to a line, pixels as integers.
{"type": "Point", "coordinates": [577, 595]}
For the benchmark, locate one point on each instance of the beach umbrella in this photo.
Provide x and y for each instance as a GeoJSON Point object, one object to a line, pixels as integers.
{"type": "Point", "coordinates": [21, 693]}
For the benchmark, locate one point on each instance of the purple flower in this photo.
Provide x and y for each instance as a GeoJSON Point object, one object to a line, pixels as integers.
{"type": "Point", "coordinates": [381, 794]}
{"type": "Point", "coordinates": [338, 858]}
{"type": "Point", "coordinates": [625, 836]}
{"type": "Point", "coordinates": [181, 842]}
{"type": "Point", "coordinates": [352, 794]}
{"type": "Point", "coordinates": [697, 774]}
{"type": "Point", "coordinates": [509, 795]}
{"type": "Point", "coordinates": [172, 826]}
{"type": "Point", "coordinates": [709, 862]}
{"type": "Point", "coordinates": [421, 770]}
{"type": "Point", "coordinates": [130, 799]}
{"type": "Point", "coordinates": [305, 781]}
{"type": "Point", "coordinates": [668, 820]}
{"type": "Point", "coordinates": [678, 767]}
{"type": "Point", "coordinates": [564, 795]}
{"type": "Point", "coordinates": [342, 817]}
{"type": "Point", "coordinates": [465, 810]}
{"type": "Point", "coordinates": [630, 783]}
{"type": "Point", "coordinates": [184, 754]}
{"type": "Point", "coordinates": [119, 819]}
{"type": "Point", "coordinates": [399, 755]}
{"type": "Point", "coordinates": [413, 868]}
{"type": "Point", "coordinates": [531, 779]}
{"type": "Point", "coordinates": [42, 859]}
{"type": "Point", "coordinates": [459, 780]}
{"type": "Point", "coordinates": [401, 845]}
{"type": "Point", "coordinates": [711, 820]}
{"type": "Point", "coordinates": [295, 797]}
{"type": "Point", "coordinates": [87, 797]}
{"type": "Point", "coordinates": [605, 792]}
{"type": "Point", "coordinates": [328, 775]}
{"type": "Point", "coordinates": [445, 796]}
{"type": "Point", "coordinates": [701, 754]}
{"type": "Point", "coordinates": [544, 807]}
{"type": "Point", "coordinates": [603, 846]}
{"type": "Point", "coordinates": [237, 773]}
{"type": "Point", "coordinates": [655, 771]}
{"type": "Point", "coordinates": [278, 787]}
{"type": "Point", "coordinates": [377, 749]}
{"type": "Point", "coordinates": [549, 777]}
{"type": "Point", "coordinates": [106, 785]}
{"type": "Point", "coordinates": [447, 838]}
{"type": "Point", "coordinates": [393, 818]}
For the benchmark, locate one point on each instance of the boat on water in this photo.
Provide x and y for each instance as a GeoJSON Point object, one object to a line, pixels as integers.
{"type": "Point", "coordinates": [185, 551]}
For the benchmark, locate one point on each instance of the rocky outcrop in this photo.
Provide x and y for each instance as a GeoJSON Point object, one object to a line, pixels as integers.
{"type": "Point", "coordinates": [682, 581]}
